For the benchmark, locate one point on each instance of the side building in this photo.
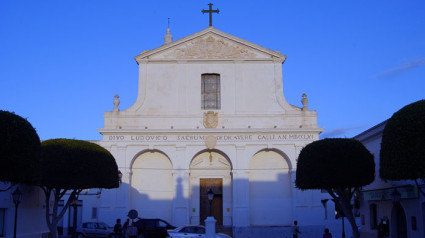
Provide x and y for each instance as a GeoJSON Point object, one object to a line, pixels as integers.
{"type": "Point", "coordinates": [390, 208]}
{"type": "Point", "coordinates": [27, 207]}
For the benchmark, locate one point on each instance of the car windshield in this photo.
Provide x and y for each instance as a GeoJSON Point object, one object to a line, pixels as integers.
{"type": "Point", "coordinates": [162, 224]}
{"type": "Point", "coordinates": [89, 225]}
{"type": "Point", "coordinates": [200, 230]}
{"type": "Point", "coordinates": [188, 229]}
{"type": "Point", "coordinates": [102, 226]}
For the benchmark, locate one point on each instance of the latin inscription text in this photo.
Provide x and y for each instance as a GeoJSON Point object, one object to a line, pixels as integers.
{"type": "Point", "coordinates": [200, 138]}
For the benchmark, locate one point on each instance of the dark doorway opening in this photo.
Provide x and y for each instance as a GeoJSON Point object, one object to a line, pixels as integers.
{"type": "Point", "coordinates": [216, 185]}
{"type": "Point", "coordinates": [398, 222]}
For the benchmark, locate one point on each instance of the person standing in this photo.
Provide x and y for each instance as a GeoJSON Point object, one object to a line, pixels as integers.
{"type": "Point", "coordinates": [295, 230]}
{"type": "Point", "coordinates": [118, 229]}
{"type": "Point", "coordinates": [125, 228]}
{"type": "Point", "coordinates": [327, 234]}
{"type": "Point", "coordinates": [132, 231]}
{"type": "Point", "coordinates": [381, 230]}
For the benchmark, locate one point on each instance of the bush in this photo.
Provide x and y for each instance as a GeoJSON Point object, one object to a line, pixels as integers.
{"type": "Point", "coordinates": [19, 150]}
{"type": "Point", "coordinates": [402, 155]}
{"type": "Point", "coordinates": [77, 164]}
{"type": "Point", "coordinates": [335, 162]}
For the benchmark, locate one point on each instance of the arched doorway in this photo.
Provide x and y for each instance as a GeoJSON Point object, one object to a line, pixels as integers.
{"type": "Point", "coordinates": [398, 222]}
{"type": "Point", "coordinates": [269, 189]}
{"type": "Point", "coordinates": [152, 185]}
{"type": "Point", "coordinates": [211, 170]}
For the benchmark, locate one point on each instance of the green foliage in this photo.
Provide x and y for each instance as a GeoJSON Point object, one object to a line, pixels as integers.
{"type": "Point", "coordinates": [402, 155]}
{"type": "Point", "coordinates": [334, 163]}
{"type": "Point", "coordinates": [19, 150]}
{"type": "Point", "coordinates": [77, 164]}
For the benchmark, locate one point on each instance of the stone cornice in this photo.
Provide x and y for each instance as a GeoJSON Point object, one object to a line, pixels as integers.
{"type": "Point", "coordinates": [212, 131]}
{"type": "Point", "coordinates": [129, 114]}
{"type": "Point", "coordinates": [241, 48]}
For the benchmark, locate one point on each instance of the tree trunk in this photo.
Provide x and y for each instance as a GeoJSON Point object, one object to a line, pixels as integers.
{"type": "Point", "coordinates": [49, 216]}
{"type": "Point", "coordinates": [343, 202]}
{"type": "Point", "coordinates": [52, 216]}
{"type": "Point", "coordinates": [350, 217]}
{"type": "Point", "coordinates": [53, 230]}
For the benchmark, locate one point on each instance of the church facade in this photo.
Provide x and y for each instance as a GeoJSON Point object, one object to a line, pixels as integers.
{"type": "Point", "coordinates": [210, 115]}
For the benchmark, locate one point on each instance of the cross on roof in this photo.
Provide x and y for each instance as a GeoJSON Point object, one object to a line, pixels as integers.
{"type": "Point", "coordinates": [210, 11]}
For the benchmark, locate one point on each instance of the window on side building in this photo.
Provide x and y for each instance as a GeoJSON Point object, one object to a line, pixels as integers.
{"type": "Point", "coordinates": [2, 221]}
{"type": "Point", "coordinates": [94, 213]}
{"type": "Point", "coordinates": [211, 92]}
{"type": "Point", "coordinates": [373, 212]}
{"type": "Point", "coordinates": [413, 222]}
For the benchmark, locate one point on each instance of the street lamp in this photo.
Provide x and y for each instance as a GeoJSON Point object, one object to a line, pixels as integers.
{"type": "Point", "coordinates": [210, 198]}
{"type": "Point", "coordinates": [17, 197]}
{"type": "Point", "coordinates": [74, 216]}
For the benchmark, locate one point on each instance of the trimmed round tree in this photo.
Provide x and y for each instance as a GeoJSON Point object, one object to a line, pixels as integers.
{"type": "Point", "coordinates": [402, 155]}
{"type": "Point", "coordinates": [338, 165]}
{"type": "Point", "coordinates": [71, 166]}
{"type": "Point", "coordinates": [19, 150]}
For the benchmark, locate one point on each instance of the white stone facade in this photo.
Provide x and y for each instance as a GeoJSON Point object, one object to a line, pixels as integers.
{"type": "Point", "coordinates": [166, 145]}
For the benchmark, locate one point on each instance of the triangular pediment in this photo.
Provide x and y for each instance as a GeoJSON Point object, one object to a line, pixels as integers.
{"type": "Point", "coordinates": [210, 44]}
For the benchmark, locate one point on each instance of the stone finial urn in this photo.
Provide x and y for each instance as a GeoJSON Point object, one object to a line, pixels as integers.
{"type": "Point", "coordinates": [116, 103]}
{"type": "Point", "coordinates": [304, 101]}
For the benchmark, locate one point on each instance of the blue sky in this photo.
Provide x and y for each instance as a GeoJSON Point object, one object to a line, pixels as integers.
{"type": "Point", "coordinates": [62, 62]}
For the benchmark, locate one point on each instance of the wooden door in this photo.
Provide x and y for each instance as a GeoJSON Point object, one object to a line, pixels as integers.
{"type": "Point", "coordinates": [216, 185]}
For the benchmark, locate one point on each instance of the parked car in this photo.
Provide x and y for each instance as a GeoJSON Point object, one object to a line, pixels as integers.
{"type": "Point", "coordinates": [153, 228]}
{"type": "Point", "coordinates": [192, 231]}
{"type": "Point", "coordinates": [95, 229]}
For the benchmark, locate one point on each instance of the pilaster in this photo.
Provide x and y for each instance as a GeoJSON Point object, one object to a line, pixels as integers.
{"type": "Point", "coordinates": [181, 188]}
{"type": "Point", "coordinates": [241, 198]}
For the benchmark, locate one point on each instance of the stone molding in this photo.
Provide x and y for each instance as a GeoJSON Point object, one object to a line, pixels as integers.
{"type": "Point", "coordinates": [211, 44]}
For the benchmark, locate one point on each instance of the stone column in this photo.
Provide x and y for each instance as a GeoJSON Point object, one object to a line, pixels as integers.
{"type": "Point", "coordinates": [181, 190]}
{"type": "Point", "coordinates": [292, 176]}
{"type": "Point", "coordinates": [241, 198]}
{"type": "Point", "coordinates": [240, 191]}
{"type": "Point", "coordinates": [194, 199]}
